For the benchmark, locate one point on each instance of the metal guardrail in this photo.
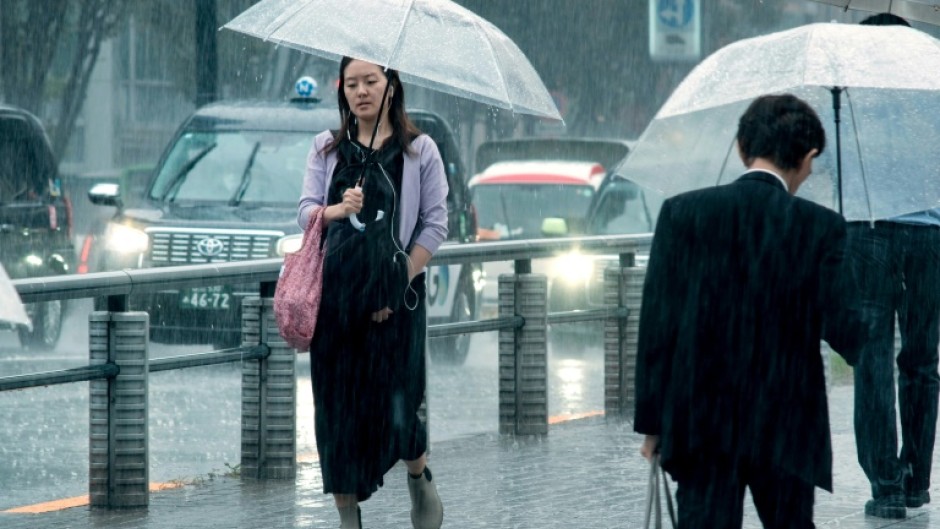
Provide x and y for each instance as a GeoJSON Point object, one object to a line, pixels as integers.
{"type": "Point", "coordinates": [125, 282]}
{"type": "Point", "coordinates": [110, 370]}
{"type": "Point", "coordinates": [64, 376]}
{"type": "Point", "coordinates": [119, 363]}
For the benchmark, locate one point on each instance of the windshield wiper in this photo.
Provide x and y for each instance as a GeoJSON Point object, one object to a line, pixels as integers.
{"type": "Point", "coordinates": [246, 176]}
{"type": "Point", "coordinates": [502, 201]}
{"type": "Point", "coordinates": [180, 175]}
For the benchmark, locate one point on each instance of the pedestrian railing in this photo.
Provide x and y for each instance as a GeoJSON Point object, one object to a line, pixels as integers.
{"type": "Point", "coordinates": [119, 363]}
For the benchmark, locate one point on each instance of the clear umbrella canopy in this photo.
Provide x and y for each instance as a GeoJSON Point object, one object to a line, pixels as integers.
{"type": "Point", "coordinates": [432, 43]}
{"type": "Point", "coordinates": [11, 308]}
{"type": "Point", "coordinates": [888, 127]}
{"type": "Point", "coordinates": [920, 10]}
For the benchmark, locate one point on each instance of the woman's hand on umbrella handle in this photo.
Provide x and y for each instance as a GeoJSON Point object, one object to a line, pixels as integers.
{"type": "Point", "coordinates": [352, 201]}
{"type": "Point", "coordinates": [355, 206]}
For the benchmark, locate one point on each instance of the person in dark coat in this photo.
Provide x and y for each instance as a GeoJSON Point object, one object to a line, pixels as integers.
{"type": "Point", "coordinates": [897, 262]}
{"type": "Point", "coordinates": [743, 282]}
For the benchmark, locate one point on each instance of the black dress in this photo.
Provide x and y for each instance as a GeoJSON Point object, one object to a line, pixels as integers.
{"type": "Point", "coordinates": [368, 378]}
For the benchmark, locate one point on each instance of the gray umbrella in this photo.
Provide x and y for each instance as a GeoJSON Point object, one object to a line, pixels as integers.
{"type": "Point", "coordinates": [920, 10]}
{"type": "Point", "coordinates": [432, 43]}
{"type": "Point", "coordinates": [879, 82]}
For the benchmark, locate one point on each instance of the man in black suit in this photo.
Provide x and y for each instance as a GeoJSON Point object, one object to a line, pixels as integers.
{"type": "Point", "coordinates": [744, 280]}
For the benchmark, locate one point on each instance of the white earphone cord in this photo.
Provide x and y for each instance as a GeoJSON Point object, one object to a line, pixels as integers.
{"type": "Point", "coordinates": [398, 247]}
{"type": "Point", "coordinates": [391, 229]}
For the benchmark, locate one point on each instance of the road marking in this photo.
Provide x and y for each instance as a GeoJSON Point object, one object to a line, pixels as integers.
{"type": "Point", "coordinates": [565, 417]}
{"type": "Point", "coordinates": [306, 457]}
{"type": "Point", "coordinates": [78, 501]}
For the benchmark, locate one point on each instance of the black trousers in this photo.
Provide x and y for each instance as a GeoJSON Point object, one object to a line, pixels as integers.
{"type": "Point", "coordinates": [898, 271]}
{"type": "Point", "coordinates": [710, 495]}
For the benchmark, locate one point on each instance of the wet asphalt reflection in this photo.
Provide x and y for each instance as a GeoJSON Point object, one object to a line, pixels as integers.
{"type": "Point", "coordinates": [195, 413]}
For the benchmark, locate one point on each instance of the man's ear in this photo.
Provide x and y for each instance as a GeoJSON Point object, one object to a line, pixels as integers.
{"type": "Point", "coordinates": [807, 161]}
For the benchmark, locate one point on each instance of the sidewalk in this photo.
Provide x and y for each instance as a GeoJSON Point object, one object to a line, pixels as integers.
{"type": "Point", "coordinates": [585, 474]}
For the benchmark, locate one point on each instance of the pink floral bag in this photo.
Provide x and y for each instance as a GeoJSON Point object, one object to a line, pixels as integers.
{"type": "Point", "coordinates": [297, 296]}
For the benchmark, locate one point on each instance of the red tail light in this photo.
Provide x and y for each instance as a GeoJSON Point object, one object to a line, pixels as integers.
{"type": "Point", "coordinates": [83, 256]}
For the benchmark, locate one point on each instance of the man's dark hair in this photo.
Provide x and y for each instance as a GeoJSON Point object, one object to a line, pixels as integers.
{"type": "Point", "coordinates": [885, 19]}
{"type": "Point", "coordinates": [780, 128]}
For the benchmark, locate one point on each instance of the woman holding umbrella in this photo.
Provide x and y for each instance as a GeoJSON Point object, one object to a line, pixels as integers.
{"type": "Point", "coordinates": [367, 355]}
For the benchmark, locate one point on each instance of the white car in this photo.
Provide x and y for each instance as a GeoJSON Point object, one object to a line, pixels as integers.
{"type": "Point", "coordinates": [533, 188]}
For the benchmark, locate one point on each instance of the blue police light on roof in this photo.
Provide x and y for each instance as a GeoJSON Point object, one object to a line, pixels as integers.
{"type": "Point", "coordinates": [306, 86]}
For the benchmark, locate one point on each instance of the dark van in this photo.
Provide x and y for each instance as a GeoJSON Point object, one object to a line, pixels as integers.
{"type": "Point", "coordinates": [226, 189]}
{"type": "Point", "coordinates": [35, 218]}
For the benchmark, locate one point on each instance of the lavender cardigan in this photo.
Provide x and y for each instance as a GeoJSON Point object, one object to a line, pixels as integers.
{"type": "Point", "coordinates": [423, 190]}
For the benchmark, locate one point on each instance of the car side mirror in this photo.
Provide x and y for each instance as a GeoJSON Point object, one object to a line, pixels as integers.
{"type": "Point", "coordinates": [554, 227]}
{"type": "Point", "coordinates": [626, 194]}
{"type": "Point", "coordinates": [105, 194]}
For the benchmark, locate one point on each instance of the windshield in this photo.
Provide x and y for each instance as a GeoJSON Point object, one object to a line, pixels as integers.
{"type": "Point", "coordinates": [623, 207]}
{"type": "Point", "coordinates": [517, 211]}
{"type": "Point", "coordinates": [234, 167]}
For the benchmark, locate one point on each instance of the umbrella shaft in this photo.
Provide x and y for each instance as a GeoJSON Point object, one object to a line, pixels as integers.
{"type": "Point", "coordinates": [836, 107]}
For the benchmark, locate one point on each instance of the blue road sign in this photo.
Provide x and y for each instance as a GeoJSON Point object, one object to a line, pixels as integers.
{"type": "Point", "coordinates": [675, 13]}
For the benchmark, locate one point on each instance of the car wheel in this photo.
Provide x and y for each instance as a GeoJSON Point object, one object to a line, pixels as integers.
{"type": "Point", "coordinates": [453, 350]}
{"type": "Point", "coordinates": [47, 326]}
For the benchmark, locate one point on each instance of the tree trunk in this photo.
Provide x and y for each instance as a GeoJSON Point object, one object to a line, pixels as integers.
{"type": "Point", "coordinates": [97, 20]}
{"type": "Point", "coordinates": [29, 35]}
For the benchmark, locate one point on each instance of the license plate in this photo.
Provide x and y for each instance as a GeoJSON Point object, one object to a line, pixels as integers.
{"type": "Point", "coordinates": [217, 297]}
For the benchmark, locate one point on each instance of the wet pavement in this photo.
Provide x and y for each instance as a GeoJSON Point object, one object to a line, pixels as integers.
{"type": "Point", "coordinates": [585, 473]}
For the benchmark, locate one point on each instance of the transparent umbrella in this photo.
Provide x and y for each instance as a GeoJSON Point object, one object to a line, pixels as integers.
{"type": "Point", "coordinates": [11, 308]}
{"type": "Point", "coordinates": [432, 43]}
{"type": "Point", "coordinates": [875, 88]}
{"type": "Point", "coordinates": [920, 10]}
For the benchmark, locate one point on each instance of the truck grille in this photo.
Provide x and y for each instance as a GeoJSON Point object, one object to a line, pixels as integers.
{"type": "Point", "coordinates": [182, 246]}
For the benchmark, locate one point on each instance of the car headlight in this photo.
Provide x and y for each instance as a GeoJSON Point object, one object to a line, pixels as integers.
{"type": "Point", "coordinates": [573, 268]}
{"type": "Point", "coordinates": [124, 239]}
{"type": "Point", "coordinates": [289, 244]}
{"type": "Point", "coordinates": [479, 279]}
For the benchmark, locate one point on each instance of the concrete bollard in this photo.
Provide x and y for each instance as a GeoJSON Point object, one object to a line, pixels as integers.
{"type": "Point", "coordinates": [118, 472]}
{"type": "Point", "coordinates": [623, 287]}
{"type": "Point", "coordinates": [523, 355]}
{"type": "Point", "coordinates": [269, 398]}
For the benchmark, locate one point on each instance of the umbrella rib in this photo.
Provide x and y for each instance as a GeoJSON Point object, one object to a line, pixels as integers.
{"type": "Point", "coordinates": [858, 149]}
{"type": "Point", "coordinates": [286, 19]}
{"type": "Point", "coordinates": [724, 163]}
{"type": "Point", "coordinates": [499, 71]}
{"type": "Point", "coordinates": [401, 30]}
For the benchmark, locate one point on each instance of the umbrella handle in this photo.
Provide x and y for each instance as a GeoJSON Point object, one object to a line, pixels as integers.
{"type": "Point", "coordinates": [359, 225]}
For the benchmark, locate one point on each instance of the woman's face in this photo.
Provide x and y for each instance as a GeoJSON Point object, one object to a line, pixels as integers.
{"type": "Point", "coordinates": [364, 83]}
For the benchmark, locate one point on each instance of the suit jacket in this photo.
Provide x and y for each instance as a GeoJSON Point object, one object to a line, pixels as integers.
{"type": "Point", "coordinates": [743, 282]}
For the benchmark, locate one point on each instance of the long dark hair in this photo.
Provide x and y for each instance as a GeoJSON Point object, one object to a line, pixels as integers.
{"type": "Point", "coordinates": [403, 130]}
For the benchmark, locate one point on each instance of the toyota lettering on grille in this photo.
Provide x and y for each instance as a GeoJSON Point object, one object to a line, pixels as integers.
{"type": "Point", "coordinates": [210, 247]}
